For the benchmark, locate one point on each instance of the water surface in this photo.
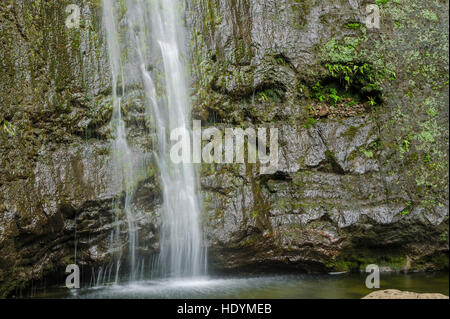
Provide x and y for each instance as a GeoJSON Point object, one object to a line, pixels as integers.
{"type": "Point", "coordinates": [281, 286]}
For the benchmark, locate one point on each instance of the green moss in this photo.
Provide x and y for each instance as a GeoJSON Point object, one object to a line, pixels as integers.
{"type": "Point", "coordinates": [351, 132]}
{"type": "Point", "coordinates": [330, 155]}
{"type": "Point", "coordinates": [67, 260]}
{"type": "Point", "coordinates": [353, 26]}
{"type": "Point", "coordinates": [354, 154]}
{"type": "Point", "coordinates": [416, 123]}
{"type": "Point", "coordinates": [310, 122]}
{"type": "Point", "coordinates": [430, 15]}
{"type": "Point", "coordinates": [343, 51]}
{"type": "Point", "coordinates": [342, 265]}
{"type": "Point", "coordinates": [435, 261]}
{"type": "Point", "coordinates": [370, 150]}
{"type": "Point", "coordinates": [358, 262]}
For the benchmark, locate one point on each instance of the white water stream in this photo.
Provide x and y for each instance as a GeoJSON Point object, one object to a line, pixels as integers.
{"type": "Point", "coordinates": [145, 42]}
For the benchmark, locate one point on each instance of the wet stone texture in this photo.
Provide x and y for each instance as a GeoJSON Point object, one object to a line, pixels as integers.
{"type": "Point", "coordinates": [362, 116]}
{"type": "Point", "coordinates": [60, 194]}
{"type": "Point", "coordinates": [357, 183]}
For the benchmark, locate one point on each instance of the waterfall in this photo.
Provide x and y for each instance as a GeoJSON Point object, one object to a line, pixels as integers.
{"type": "Point", "coordinates": [123, 157]}
{"type": "Point", "coordinates": [146, 46]}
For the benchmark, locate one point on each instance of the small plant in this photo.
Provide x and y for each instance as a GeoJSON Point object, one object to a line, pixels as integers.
{"type": "Point", "coordinates": [300, 88]}
{"type": "Point", "coordinates": [269, 95]}
{"type": "Point", "coordinates": [432, 111]}
{"type": "Point", "coordinates": [317, 86]}
{"type": "Point", "coordinates": [351, 103]}
{"type": "Point", "coordinates": [280, 60]}
{"type": "Point", "coordinates": [353, 74]}
{"type": "Point", "coordinates": [405, 212]}
{"type": "Point", "coordinates": [318, 92]}
{"type": "Point", "coordinates": [353, 26]}
{"type": "Point", "coordinates": [404, 148]}
{"type": "Point", "coordinates": [310, 122]}
{"type": "Point", "coordinates": [370, 150]}
{"type": "Point", "coordinates": [334, 96]}
{"type": "Point", "coordinates": [393, 76]}
{"type": "Point", "coordinates": [254, 214]}
{"type": "Point", "coordinates": [367, 153]}
{"type": "Point", "coordinates": [263, 97]}
{"type": "Point", "coordinates": [8, 128]}
{"type": "Point", "coordinates": [347, 85]}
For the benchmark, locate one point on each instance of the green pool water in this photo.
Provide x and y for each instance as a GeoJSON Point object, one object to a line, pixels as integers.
{"type": "Point", "coordinates": [337, 286]}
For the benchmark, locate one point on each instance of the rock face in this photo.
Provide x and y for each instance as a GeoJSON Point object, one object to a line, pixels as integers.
{"type": "Point", "coordinates": [354, 184]}
{"type": "Point", "coordinates": [362, 116]}
{"type": "Point", "coordinates": [59, 195]}
{"type": "Point", "coordinates": [397, 294]}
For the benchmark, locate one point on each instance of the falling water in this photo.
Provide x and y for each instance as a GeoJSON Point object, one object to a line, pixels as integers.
{"type": "Point", "coordinates": [122, 154]}
{"type": "Point", "coordinates": [151, 36]}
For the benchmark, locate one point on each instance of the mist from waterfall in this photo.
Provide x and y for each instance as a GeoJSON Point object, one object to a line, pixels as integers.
{"type": "Point", "coordinates": [146, 48]}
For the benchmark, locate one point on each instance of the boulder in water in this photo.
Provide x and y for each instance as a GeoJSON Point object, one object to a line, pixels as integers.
{"type": "Point", "coordinates": [397, 294]}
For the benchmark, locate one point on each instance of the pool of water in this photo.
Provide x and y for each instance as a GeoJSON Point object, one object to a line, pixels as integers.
{"type": "Point", "coordinates": [280, 286]}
